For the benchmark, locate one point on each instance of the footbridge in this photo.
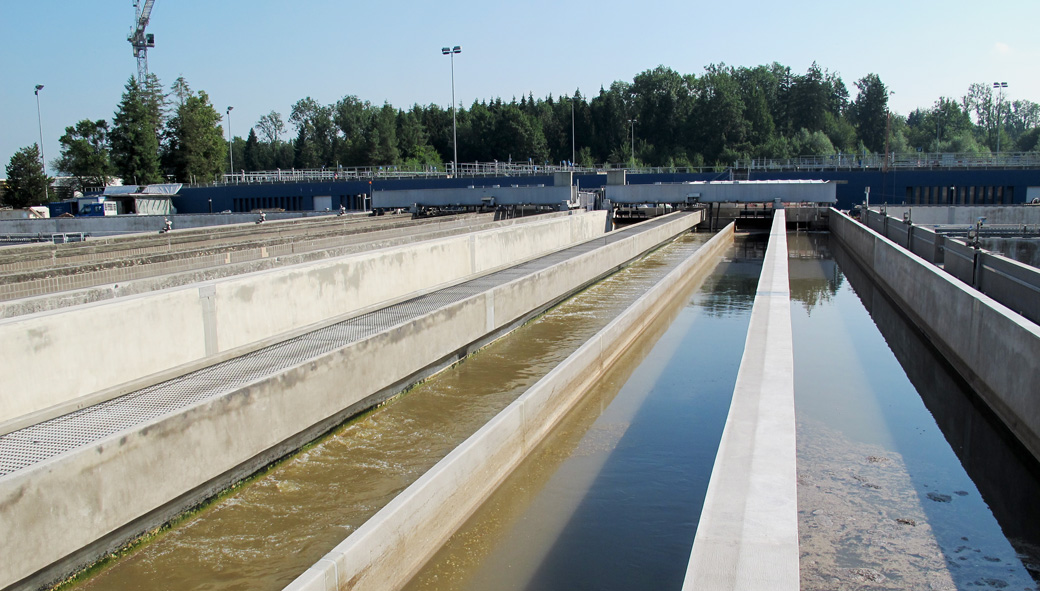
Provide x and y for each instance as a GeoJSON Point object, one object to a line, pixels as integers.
{"type": "Point", "coordinates": [189, 379]}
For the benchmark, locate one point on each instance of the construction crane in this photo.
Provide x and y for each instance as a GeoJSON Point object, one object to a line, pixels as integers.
{"type": "Point", "coordinates": [141, 41]}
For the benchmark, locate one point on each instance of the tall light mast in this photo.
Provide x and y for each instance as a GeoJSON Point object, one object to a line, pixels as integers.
{"type": "Point", "coordinates": [141, 41]}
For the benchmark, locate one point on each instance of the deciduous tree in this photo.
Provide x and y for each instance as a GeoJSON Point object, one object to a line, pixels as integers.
{"type": "Point", "coordinates": [85, 154]}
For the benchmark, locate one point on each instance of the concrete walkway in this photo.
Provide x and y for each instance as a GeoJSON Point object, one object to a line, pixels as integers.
{"type": "Point", "coordinates": [747, 537]}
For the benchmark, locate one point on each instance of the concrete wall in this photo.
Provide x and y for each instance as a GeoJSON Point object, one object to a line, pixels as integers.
{"type": "Point", "coordinates": [130, 224]}
{"type": "Point", "coordinates": [389, 548]}
{"type": "Point", "coordinates": [991, 346]}
{"type": "Point", "coordinates": [105, 274]}
{"type": "Point", "coordinates": [1013, 284]}
{"type": "Point", "coordinates": [112, 344]}
{"type": "Point", "coordinates": [724, 191]}
{"type": "Point", "coordinates": [503, 195]}
{"type": "Point", "coordinates": [967, 214]}
{"type": "Point", "coordinates": [747, 536]}
{"type": "Point", "coordinates": [73, 508]}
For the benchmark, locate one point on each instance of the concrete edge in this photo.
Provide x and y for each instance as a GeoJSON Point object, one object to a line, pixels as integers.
{"type": "Point", "coordinates": [386, 551]}
{"type": "Point", "coordinates": [980, 337]}
{"type": "Point", "coordinates": [111, 290]}
{"type": "Point", "coordinates": [41, 399]}
{"type": "Point", "coordinates": [747, 536]}
{"type": "Point", "coordinates": [116, 391]}
{"type": "Point", "coordinates": [184, 470]}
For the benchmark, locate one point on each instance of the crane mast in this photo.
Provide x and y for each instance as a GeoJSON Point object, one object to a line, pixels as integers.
{"type": "Point", "coordinates": [140, 40]}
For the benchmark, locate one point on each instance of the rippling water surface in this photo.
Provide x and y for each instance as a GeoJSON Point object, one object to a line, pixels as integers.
{"type": "Point", "coordinates": [267, 532]}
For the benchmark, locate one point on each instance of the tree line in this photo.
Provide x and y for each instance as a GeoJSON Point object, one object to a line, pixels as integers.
{"type": "Point", "coordinates": [660, 118]}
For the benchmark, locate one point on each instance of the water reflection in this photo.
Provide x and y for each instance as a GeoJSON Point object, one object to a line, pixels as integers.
{"type": "Point", "coordinates": [267, 532]}
{"type": "Point", "coordinates": [1006, 474]}
{"type": "Point", "coordinates": [884, 501]}
{"type": "Point", "coordinates": [610, 500]}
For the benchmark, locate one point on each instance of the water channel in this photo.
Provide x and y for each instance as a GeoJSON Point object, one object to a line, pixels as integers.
{"type": "Point", "coordinates": [269, 530]}
{"type": "Point", "coordinates": [906, 480]}
{"type": "Point", "coordinates": [611, 499]}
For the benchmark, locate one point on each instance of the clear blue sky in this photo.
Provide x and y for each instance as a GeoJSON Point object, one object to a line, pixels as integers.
{"type": "Point", "coordinates": [263, 55]}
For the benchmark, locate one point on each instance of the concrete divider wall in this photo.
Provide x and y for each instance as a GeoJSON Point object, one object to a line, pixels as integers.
{"type": "Point", "coordinates": [959, 260]}
{"type": "Point", "coordinates": [968, 214]}
{"type": "Point", "coordinates": [127, 483]}
{"type": "Point", "coordinates": [176, 268]}
{"type": "Point", "coordinates": [392, 546]}
{"type": "Point", "coordinates": [107, 344]}
{"type": "Point", "coordinates": [925, 243]}
{"type": "Point", "coordinates": [991, 346]}
{"type": "Point", "coordinates": [1010, 282]}
{"type": "Point", "coordinates": [747, 536]}
{"type": "Point", "coordinates": [1013, 284]}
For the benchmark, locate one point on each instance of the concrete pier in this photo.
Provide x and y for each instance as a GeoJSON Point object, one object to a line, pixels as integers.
{"type": "Point", "coordinates": [391, 546]}
{"type": "Point", "coordinates": [72, 504]}
{"type": "Point", "coordinates": [747, 536]}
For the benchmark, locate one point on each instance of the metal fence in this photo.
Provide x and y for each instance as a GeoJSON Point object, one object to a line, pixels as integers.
{"type": "Point", "coordinates": [465, 170]}
{"type": "Point", "coordinates": [913, 160]}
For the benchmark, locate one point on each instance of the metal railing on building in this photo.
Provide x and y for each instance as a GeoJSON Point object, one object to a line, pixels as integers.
{"type": "Point", "coordinates": [912, 160]}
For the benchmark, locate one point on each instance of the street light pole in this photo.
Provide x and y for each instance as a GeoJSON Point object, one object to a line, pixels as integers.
{"type": "Point", "coordinates": [43, 159]}
{"type": "Point", "coordinates": [231, 144]}
{"type": "Point", "coordinates": [1000, 86]}
{"type": "Point", "coordinates": [450, 52]}
{"type": "Point", "coordinates": [573, 157]}
{"type": "Point", "coordinates": [633, 122]}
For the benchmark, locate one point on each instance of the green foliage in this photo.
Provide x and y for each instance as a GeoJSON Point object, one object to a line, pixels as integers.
{"type": "Point", "coordinates": [814, 143]}
{"type": "Point", "coordinates": [870, 112]}
{"type": "Point", "coordinates": [197, 150]}
{"type": "Point", "coordinates": [134, 136]}
{"type": "Point", "coordinates": [251, 152]}
{"type": "Point", "coordinates": [681, 120]}
{"type": "Point", "coordinates": [26, 182]}
{"type": "Point", "coordinates": [85, 154]}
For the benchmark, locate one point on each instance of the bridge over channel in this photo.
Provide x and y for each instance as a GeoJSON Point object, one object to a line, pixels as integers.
{"type": "Point", "coordinates": [192, 383]}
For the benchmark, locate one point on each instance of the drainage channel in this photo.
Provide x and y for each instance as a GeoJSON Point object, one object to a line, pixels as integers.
{"type": "Point", "coordinates": [610, 500]}
{"type": "Point", "coordinates": [28, 446]}
{"type": "Point", "coordinates": [906, 479]}
{"type": "Point", "coordinates": [268, 531]}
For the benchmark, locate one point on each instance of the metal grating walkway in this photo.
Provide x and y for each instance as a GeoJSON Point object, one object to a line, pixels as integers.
{"type": "Point", "coordinates": [25, 447]}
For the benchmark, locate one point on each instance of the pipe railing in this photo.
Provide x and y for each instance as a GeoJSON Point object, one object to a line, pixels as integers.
{"type": "Point", "coordinates": [912, 160]}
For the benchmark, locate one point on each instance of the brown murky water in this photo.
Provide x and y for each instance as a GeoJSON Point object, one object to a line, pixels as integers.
{"type": "Point", "coordinates": [268, 531]}
{"type": "Point", "coordinates": [610, 500]}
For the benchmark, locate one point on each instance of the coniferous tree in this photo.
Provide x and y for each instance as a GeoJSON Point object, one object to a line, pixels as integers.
{"type": "Point", "coordinates": [26, 182]}
{"type": "Point", "coordinates": [134, 137]}
{"type": "Point", "coordinates": [197, 150]}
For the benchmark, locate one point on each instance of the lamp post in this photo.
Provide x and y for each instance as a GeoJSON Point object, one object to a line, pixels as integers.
{"type": "Point", "coordinates": [450, 52]}
{"type": "Point", "coordinates": [231, 144]}
{"type": "Point", "coordinates": [633, 122]}
{"type": "Point", "coordinates": [573, 153]}
{"type": "Point", "coordinates": [43, 159]}
{"type": "Point", "coordinates": [1000, 86]}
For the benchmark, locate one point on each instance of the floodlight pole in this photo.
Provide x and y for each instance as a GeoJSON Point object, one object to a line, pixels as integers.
{"type": "Point", "coordinates": [450, 52]}
{"type": "Point", "coordinates": [43, 159]}
{"type": "Point", "coordinates": [231, 144]}
{"type": "Point", "coordinates": [633, 122]}
{"type": "Point", "coordinates": [1000, 86]}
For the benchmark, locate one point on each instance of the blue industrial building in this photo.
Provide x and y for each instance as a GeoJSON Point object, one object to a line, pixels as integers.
{"type": "Point", "coordinates": [949, 186]}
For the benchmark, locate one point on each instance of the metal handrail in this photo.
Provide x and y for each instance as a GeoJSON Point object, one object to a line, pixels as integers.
{"type": "Point", "coordinates": [911, 160]}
